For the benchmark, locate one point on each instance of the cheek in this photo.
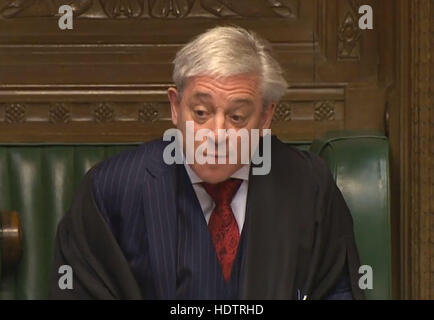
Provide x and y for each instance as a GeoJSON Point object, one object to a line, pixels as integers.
{"type": "Point", "coordinates": [192, 142]}
{"type": "Point", "coordinates": [255, 120]}
{"type": "Point", "coordinates": [199, 142]}
{"type": "Point", "coordinates": [184, 112]}
{"type": "Point", "coordinates": [184, 115]}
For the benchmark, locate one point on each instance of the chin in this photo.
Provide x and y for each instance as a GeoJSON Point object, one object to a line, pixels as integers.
{"type": "Point", "coordinates": [215, 173]}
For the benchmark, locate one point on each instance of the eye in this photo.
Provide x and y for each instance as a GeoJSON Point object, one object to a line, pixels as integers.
{"type": "Point", "coordinates": [237, 118]}
{"type": "Point", "coordinates": [200, 113]}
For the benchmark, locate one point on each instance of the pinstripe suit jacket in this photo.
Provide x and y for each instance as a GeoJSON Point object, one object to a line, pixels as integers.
{"type": "Point", "coordinates": [122, 234]}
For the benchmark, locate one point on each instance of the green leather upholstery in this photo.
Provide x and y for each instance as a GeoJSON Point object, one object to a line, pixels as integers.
{"type": "Point", "coordinates": [38, 181]}
{"type": "Point", "coordinates": [359, 163]}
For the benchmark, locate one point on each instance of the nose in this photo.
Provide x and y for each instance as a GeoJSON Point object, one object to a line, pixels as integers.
{"type": "Point", "coordinates": [219, 128]}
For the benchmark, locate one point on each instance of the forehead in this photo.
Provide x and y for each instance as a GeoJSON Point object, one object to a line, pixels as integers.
{"type": "Point", "coordinates": [245, 85]}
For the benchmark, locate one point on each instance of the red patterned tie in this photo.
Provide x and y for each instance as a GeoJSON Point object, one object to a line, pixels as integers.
{"type": "Point", "coordinates": [222, 223]}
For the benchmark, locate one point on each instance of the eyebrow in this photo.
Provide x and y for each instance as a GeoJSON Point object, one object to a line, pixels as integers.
{"type": "Point", "coordinates": [207, 96]}
{"type": "Point", "coordinates": [243, 101]}
{"type": "Point", "coordinates": [202, 96]}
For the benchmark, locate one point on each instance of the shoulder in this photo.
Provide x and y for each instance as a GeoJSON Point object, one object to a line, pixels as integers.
{"type": "Point", "coordinates": [135, 160]}
{"type": "Point", "coordinates": [125, 172]}
{"type": "Point", "coordinates": [301, 163]}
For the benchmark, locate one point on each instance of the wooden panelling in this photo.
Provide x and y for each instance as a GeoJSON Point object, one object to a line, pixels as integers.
{"type": "Point", "coordinates": [68, 113]}
{"type": "Point", "coordinates": [417, 151]}
{"type": "Point", "coordinates": [117, 59]}
{"type": "Point", "coordinates": [106, 80]}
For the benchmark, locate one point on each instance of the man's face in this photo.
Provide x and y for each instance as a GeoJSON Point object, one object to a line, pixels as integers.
{"type": "Point", "coordinates": [233, 102]}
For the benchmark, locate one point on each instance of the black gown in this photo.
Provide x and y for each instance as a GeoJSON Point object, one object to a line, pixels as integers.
{"type": "Point", "coordinates": [300, 239]}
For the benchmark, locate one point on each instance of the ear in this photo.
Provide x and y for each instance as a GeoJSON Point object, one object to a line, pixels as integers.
{"type": "Point", "coordinates": [267, 116]}
{"type": "Point", "coordinates": [173, 95]}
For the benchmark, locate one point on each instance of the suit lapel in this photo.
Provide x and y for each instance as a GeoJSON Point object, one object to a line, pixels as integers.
{"type": "Point", "coordinates": [270, 262]}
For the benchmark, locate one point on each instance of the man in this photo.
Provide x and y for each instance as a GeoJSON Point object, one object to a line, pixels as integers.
{"type": "Point", "coordinates": [142, 227]}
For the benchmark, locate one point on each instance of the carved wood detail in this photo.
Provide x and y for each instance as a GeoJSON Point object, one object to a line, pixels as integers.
{"type": "Point", "coordinates": [67, 113]}
{"type": "Point", "coordinates": [324, 111]}
{"type": "Point", "coordinates": [282, 112]}
{"type": "Point", "coordinates": [104, 112]}
{"type": "Point", "coordinates": [159, 9]}
{"type": "Point", "coordinates": [316, 110]}
{"type": "Point", "coordinates": [59, 113]}
{"type": "Point", "coordinates": [349, 33]}
{"type": "Point", "coordinates": [15, 113]}
{"type": "Point", "coordinates": [417, 176]}
{"type": "Point", "coordinates": [149, 112]}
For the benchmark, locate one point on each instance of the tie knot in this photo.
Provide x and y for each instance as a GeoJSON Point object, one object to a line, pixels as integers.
{"type": "Point", "coordinates": [223, 192]}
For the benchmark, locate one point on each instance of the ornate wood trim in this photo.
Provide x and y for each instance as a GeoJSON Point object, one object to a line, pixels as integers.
{"type": "Point", "coordinates": [142, 112]}
{"type": "Point", "coordinates": [349, 33]}
{"type": "Point", "coordinates": [153, 9]}
{"type": "Point", "coordinates": [417, 175]}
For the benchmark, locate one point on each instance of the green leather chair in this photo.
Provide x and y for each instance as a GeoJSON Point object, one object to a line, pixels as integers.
{"type": "Point", "coordinates": [39, 180]}
{"type": "Point", "coordinates": [359, 163]}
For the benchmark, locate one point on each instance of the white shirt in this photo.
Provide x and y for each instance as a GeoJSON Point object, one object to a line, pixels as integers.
{"type": "Point", "coordinates": [238, 203]}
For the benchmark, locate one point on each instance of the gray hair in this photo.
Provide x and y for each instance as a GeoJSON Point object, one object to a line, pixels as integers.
{"type": "Point", "coordinates": [228, 51]}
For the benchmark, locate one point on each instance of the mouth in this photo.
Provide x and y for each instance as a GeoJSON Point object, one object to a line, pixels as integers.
{"type": "Point", "coordinates": [216, 155]}
{"type": "Point", "coordinates": [217, 158]}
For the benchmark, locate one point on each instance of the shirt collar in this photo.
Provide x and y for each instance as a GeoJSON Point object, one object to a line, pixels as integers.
{"type": "Point", "coordinates": [242, 173]}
